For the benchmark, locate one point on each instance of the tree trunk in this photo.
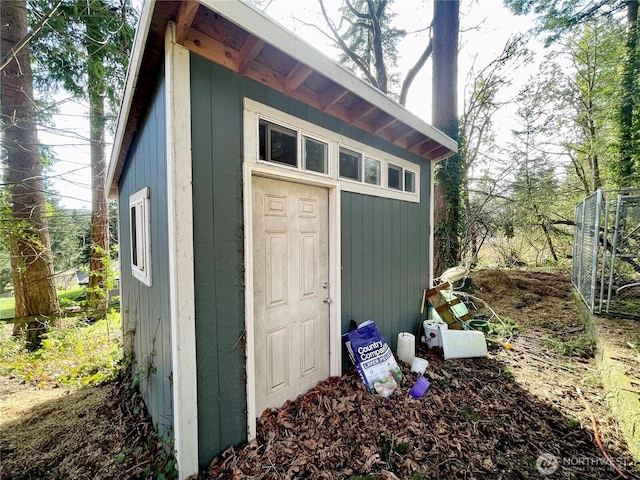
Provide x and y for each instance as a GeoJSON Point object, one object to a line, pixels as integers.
{"type": "Point", "coordinates": [96, 291]}
{"type": "Point", "coordinates": [447, 200]}
{"type": "Point", "coordinates": [31, 260]}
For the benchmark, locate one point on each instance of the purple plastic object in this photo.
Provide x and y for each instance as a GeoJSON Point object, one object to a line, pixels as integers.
{"type": "Point", "coordinates": [420, 388]}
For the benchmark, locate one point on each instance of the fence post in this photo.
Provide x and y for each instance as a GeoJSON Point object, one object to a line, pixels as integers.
{"type": "Point", "coordinates": [596, 243]}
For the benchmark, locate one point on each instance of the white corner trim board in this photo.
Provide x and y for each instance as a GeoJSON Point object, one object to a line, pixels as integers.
{"type": "Point", "coordinates": [180, 235]}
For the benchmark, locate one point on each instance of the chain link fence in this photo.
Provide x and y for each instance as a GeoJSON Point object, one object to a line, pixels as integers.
{"type": "Point", "coordinates": [606, 252]}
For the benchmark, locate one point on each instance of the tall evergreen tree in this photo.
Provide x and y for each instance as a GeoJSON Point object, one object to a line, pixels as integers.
{"type": "Point", "coordinates": [85, 51]}
{"type": "Point", "coordinates": [556, 18]}
{"type": "Point", "coordinates": [31, 262]}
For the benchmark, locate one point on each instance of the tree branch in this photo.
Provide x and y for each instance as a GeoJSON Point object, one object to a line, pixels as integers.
{"type": "Point", "coordinates": [344, 47]}
{"type": "Point", "coordinates": [39, 26]}
{"type": "Point", "coordinates": [413, 71]}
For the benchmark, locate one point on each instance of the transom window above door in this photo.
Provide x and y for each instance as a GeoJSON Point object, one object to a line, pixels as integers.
{"type": "Point", "coordinates": [288, 142]}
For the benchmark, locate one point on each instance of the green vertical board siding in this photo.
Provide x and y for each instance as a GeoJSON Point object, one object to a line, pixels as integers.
{"type": "Point", "coordinates": [218, 229]}
{"type": "Point", "coordinates": [385, 260]}
{"type": "Point", "coordinates": [145, 310]}
{"type": "Point", "coordinates": [384, 267]}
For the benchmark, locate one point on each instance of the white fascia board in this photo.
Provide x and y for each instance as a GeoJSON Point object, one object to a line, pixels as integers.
{"type": "Point", "coordinates": [263, 27]}
{"type": "Point", "coordinates": [139, 42]}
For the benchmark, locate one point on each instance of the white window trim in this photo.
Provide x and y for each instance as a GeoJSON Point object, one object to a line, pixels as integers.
{"type": "Point", "coordinates": [255, 111]}
{"type": "Point", "coordinates": [140, 200]}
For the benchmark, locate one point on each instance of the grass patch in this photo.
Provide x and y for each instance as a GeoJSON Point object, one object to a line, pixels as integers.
{"type": "Point", "coordinates": [504, 327]}
{"type": "Point", "coordinates": [66, 298]}
{"type": "Point", "coordinates": [72, 354]}
{"type": "Point", "coordinates": [580, 346]}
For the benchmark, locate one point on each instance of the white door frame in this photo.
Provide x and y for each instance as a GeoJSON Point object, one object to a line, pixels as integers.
{"type": "Point", "coordinates": [251, 168]}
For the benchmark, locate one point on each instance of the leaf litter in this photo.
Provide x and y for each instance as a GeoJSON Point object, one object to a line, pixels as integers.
{"type": "Point", "coordinates": [490, 418]}
{"type": "Point", "coordinates": [498, 417]}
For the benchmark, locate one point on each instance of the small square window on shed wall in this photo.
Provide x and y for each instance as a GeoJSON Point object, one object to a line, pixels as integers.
{"type": "Point", "coordinates": [278, 144]}
{"type": "Point", "coordinates": [140, 235]}
{"type": "Point", "coordinates": [350, 165]}
{"type": "Point", "coordinates": [315, 155]}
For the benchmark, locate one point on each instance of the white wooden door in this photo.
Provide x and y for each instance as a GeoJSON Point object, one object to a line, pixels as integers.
{"type": "Point", "coordinates": [291, 274]}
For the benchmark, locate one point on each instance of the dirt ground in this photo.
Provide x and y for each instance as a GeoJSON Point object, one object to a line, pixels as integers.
{"type": "Point", "coordinates": [513, 415]}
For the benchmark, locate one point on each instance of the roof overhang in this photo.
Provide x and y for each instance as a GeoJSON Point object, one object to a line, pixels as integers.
{"type": "Point", "coordinates": [246, 41]}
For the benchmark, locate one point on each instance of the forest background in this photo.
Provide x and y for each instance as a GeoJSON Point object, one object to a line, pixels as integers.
{"type": "Point", "coordinates": [546, 111]}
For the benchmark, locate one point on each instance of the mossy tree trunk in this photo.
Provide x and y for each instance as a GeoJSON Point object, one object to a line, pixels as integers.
{"type": "Point", "coordinates": [26, 228]}
{"type": "Point", "coordinates": [448, 181]}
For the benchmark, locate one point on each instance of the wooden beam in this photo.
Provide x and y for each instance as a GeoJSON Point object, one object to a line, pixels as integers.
{"type": "Point", "coordinates": [248, 52]}
{"type": "Point", "coordinates": [211, 49]}
{"type": "Point", "coordinates": [415, 144]}
{"type": "Point", "coordinates": [185, 16]}
{"type": "Point", "coordinates": [427, 148]}
{"type": "Point", "coordinates": [296, 77]}
{"type": "Point", "coordinates": [439, 153]}
{"type": "Point", "coordinates": [360, 111]}
{"type": "Point", "coordinates": [404, 133]}
{"type": "Point", "coordinates": [383, 124]}
{"type": "Point", "coordinates": [332, 96]}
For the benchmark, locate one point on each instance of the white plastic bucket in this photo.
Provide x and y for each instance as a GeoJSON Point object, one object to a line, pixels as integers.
{"type": "Point", "coordinates": [432, 329]}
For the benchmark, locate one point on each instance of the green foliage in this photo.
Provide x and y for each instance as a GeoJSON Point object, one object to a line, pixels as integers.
{"type": "Point", "coordinates": [390, 448]}
{"type": "Point", "coordinates": [578, 346]}
{"type": "Point", "coordinates": [84, 38]}
{"type": "Point", "coordinates": [69, 234]}
{"type": "Point", "coordinates": [73, 354]}
{"type": "Point", "coordinates": [368, 40]}
{"type": "Point", "coordinates": [469, 414]}
{"type": "Point", "coordinates": [556, 17]}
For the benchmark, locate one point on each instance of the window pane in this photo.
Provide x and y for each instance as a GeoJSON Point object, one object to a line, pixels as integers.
{"type": "Point", "coordinates": [395, 177]}
{"type": "Point", "coordinates": [350, 165]}
{"type": "Point", "coordinates": [262, 142]}
{"type": "Point", "coordinates": [315, 155]}
{"type": "Point", "coordinates": [409, 181]}
{"type": "Point", "coordinates": [134, 236]}
{"type": "Point", "coordinates": [372, 171]}
{"type": "Point", "coordinates": [284, 146]}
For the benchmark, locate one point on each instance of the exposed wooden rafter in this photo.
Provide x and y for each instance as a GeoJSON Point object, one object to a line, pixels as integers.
{"type": "Point", "coordinates": [185, 16]}
{"type": "Point", "coordinates": [296, 77]}
{"type": "Point", "coordinates": [361, 110]}
{"type": "Point", "coordinates": [334, 100]}
{"type": "Point", "coordinates": [384, 123]}
{"type": "Point", "coordinates": [248, 53]}
{"type": "Point", "coordinates": [332, 96]}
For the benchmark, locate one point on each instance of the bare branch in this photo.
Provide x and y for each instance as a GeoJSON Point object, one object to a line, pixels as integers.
{"type": "Point", "coordinates": [345, 48]}
{"type": "Point", "coordinates": [413, 71]}
{"type": "Point", "coordinates": [36, 29]}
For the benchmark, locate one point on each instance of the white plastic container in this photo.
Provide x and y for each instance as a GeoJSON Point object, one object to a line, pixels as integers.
{"type": "Point", "coordinates": [419, 365]}
{"type": "Point", "coordinates": [406, 347]}
{"type": "Point", "coordinates": [463, 344]}
{"type": "Point", "coordinates": [432, 329]}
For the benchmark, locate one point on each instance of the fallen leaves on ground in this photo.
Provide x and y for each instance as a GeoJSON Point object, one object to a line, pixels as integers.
{"type": "Point", "coordinates": [489, 418]}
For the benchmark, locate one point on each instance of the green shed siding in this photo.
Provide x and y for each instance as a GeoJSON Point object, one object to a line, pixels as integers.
{"type": "Point", "coordinates": [385, 260]}
{"type": "Point", "coordinates": [145, 310]}
{"type": "Point", "coordinates": [384, 247]}
{"type": "Point", "coordinates": [218, 258]}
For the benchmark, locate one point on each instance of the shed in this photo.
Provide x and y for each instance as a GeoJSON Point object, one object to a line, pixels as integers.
{"type": "Point", "coordinates": [267, 197]}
